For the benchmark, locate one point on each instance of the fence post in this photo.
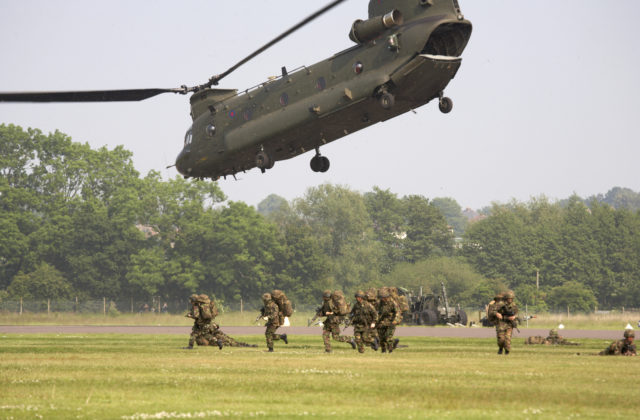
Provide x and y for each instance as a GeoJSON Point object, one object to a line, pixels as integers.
{"type": "Point", "coordinates": [131, 305]}
{"type": "Point", "coordinates": [21, 305]}
{"type": "Point", "coordinates": [104, 306]}
{"type": "Point", "coordinates": [75, 308]}
{"type": "Point", "coordinates": [241, 305]}
{"type": "Point", "coordinates": [48, 306]}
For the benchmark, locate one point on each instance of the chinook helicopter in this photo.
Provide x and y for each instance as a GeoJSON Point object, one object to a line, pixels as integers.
{"type": "Point", "coordinates": [405, 55]}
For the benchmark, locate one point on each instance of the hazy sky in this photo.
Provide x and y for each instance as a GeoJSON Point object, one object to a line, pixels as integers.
{"type": "Point", "coordinates": [546, 101]}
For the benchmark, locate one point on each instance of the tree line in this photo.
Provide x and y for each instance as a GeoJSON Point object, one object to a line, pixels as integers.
{"type": "Point", "coordinates": [81, 222]}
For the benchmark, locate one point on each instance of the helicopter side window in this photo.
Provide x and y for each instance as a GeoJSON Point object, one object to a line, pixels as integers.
{"type": "Point", "coordinates": [210, 130]}
{"type": "Point", "coordinates": [187, 139]}
{"type": "Point", "coordinates": [284, 99]}
{"type": "Point", "coordinates": [358, 67]}
{"type": "Point", "coordinates": [321, 84]}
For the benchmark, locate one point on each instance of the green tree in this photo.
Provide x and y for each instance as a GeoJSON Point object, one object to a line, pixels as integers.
{"type": "Point", "coordinates": [452, 213]}
{"type": "Point", "coordinates": [44, 283]}
{"type": "Point", "coordinates": [427, 232]}
{"type": "Point", "coordinates": [572, 295]}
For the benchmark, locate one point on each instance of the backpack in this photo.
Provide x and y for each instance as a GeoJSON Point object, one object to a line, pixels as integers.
{"type": "Point", "coordinates": [284, 304]}
{"type": "Point", "coordinates": [337, 297]}
{"type": "Point", "coordinates": [208, 308]}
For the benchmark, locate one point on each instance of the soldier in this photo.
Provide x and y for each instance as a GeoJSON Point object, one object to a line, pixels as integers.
{"type": "Point", "coordinates": [272, 313]}
{"type": "Point", "coordinates": [363, 318]}
{"type": "Point", "coordinates": [214, 335]}
{"type": "Point", "coordinates": [331, 325]}
{"type": "Point", "coordinates": [388, 317]}
{"type": "Point", "coordinates": [624, 347]}
{"type": "Point", "coordinates": [371, 296]}
{"type": "Point", "coordinates": [506, 314]}
{"type": "Point", "coordinates": [553, 339]}
{"type": "Point", "coordinates": [202, 331]}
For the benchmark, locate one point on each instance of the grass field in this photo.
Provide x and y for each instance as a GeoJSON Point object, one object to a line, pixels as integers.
{"type": "Point", "coordinates": [112, 376]}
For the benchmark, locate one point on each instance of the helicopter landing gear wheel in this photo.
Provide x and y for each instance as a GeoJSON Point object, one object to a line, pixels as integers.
{"type": "Point", "coordinates": [319, 163]}
{"type": "Point", "coordinates": [264, 161]}
{"type": "Point", "coordinates": [387, 100]}
{"type": "Point", "coordinates": [445, 105]}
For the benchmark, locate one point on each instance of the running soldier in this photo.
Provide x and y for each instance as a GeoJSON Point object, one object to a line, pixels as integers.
{"type": "Point", "coordinates": [506, 313]}
{"type": "Point", "coordinates": [624, 347]}
{"type": "Point", "coordinates": [388, 317]}
{"type": "Point", "coordinates": [363, 318]}
{"type": "Point", "coordinates": [272, 313]}
{"type": "Point", "coordinates": [331, 325]}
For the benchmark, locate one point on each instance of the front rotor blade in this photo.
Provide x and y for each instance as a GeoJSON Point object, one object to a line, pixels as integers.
{"type": "Point", "coordinates": [85, 96]}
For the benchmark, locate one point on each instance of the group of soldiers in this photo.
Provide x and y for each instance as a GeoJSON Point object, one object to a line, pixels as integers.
{"type": "Point", "coordinates": [374, 317]}
{"type": "Point", "coordinates": [503, 313]}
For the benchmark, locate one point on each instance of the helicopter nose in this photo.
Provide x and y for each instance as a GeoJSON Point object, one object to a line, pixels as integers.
{"type": "Point", "coordinates": [183, 164]}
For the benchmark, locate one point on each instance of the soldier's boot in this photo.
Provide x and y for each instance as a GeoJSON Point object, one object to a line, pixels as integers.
{"type": "Point", "coordinates": [283, 337]}
{"type": "Point", "coordinates": [270, 349]}
{"type": "Point", "coordinates": [500, 350]}
{"type": "Point", "coordinates": [395, 343]}
{"type": "Point", "coordinates": [376, 344]}
{"type": "Point", "coordinates": [188, 348]}
{"type": "Point", "coordinates": [220, 343]}
{"type": "Point", "coordinates": [353, 343]}
{"type": "Point", "coordinates": [506, 351]}
{"type": "Point", "coordinates": [390, 347]}
{"type": "Point", "coordinates": [327, 350]}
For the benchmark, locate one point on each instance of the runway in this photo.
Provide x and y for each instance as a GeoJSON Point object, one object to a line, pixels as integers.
{"type": "Point", "coordinates": [450, 332]}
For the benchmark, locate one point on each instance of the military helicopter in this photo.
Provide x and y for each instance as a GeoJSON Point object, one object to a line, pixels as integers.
{"type": "Point", "coordinates": [405, 55]}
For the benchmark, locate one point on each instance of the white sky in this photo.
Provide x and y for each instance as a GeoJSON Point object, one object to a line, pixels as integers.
{"type": "Point", "coordinates": [546, 102]}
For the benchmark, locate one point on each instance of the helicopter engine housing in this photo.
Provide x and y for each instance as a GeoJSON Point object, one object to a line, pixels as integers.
{"type": "Point", "coordinates": [366, 30]}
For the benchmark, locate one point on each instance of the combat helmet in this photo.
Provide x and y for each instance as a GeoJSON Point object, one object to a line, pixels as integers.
{"type": "Point", "coordinates": [266, 297]}
{"type": "Point", "coordinates": [383, 293]}
{"type": "Point", "coordinates": [629, 333]}
{"type": "Point", "coordinates": [360, 293]}
{"type": "Point", "coordinates": [499, 296]}
{"type": "Point", "coordinates": [326, 294]}
{"type": "Point", "coordinates": [553, 332]}
{"type": "Point", "coordinates": [508, 295]}
{"type": "Point", "coordinates": [193, 298]}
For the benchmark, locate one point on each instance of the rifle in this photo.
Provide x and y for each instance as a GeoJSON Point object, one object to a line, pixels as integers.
{"type": "Point", "coordinates": [514, 322]}
{"type": "Point", "coordinates": [259, 316]}
{"type": "Point", "coordinates": [316, 316]}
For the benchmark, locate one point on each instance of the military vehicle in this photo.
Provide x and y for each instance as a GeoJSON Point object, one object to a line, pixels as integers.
{"type": "Point", "coordinates": [430, 309]}
{"type": "Point", "coordinates": [405, 55]}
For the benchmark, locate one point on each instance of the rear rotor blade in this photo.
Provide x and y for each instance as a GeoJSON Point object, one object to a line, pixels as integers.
{"type": "Point", "coordinates": [215, 79]}
{"type": "Point", "coordinates": [86, 96]}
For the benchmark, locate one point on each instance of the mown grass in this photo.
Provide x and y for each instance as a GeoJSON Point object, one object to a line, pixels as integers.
{"type": "Point", "coordinates": [609, 321]}
{"type": "Point", "coordinates": [107, 376]}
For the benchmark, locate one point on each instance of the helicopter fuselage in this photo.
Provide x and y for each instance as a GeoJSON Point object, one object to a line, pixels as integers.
{"type": "Point", "coordinates": [390, 71]}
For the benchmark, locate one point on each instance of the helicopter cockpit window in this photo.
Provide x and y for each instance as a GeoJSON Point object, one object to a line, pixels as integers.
{"type": "Point", "coordinates": [358, 67]}
{"type": "Point", "coordinates": [187, 139]}
{"type": "Point", "coordinates": [211, 130]}
{"type": "Point", "coordinates": [321, 84]}
{"type": "Point", "coordinates": [284, 99]}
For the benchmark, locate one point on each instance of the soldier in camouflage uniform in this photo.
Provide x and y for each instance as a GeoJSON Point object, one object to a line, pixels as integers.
{"type": "Point", "coordinates": [553, 339]}
{"type": "Point", "coordinates": [624, 347]}
{"type": "Point", "coordinates": [331, 325]}
{"type": "Point", "coordinates": [272, 313]}
{"type": "Point", "coordinates": [201, 322]}
{"type": "Point", "coordinates": [388, 317]}
{"type": "Point", "coordinates": [213, 336]}
{"type": "Point", "coordinates": [371, 296]}
{"type": "Point", "coordinates": [363, 318]}
{"type": "Point", "coordinates": [506, 314]}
